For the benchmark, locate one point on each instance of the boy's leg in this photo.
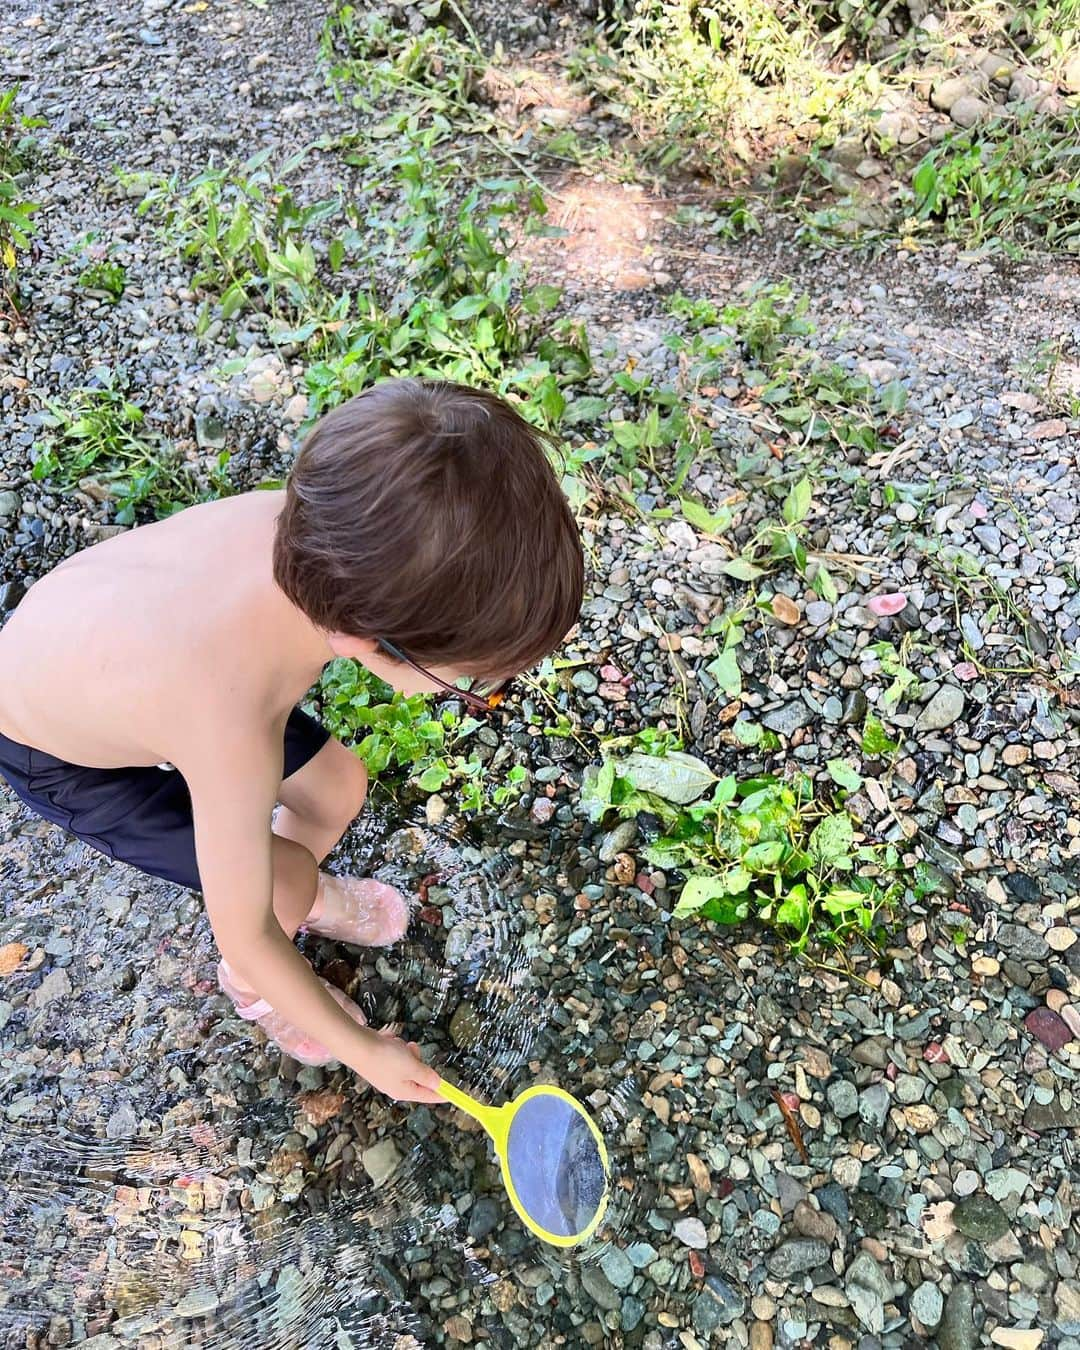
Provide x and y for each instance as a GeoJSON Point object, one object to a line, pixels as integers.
{"type": "Point", "coordinates": [321, 799]}
{"type": "Point", "coordinates": [318, 803]}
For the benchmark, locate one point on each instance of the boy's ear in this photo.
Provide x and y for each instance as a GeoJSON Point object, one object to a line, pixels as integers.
{"type": "Point", "coordinates": [357, 649]}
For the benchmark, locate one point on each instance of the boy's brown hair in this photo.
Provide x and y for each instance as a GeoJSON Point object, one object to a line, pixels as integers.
{"type": "Point", "coordinates": [427, 513]}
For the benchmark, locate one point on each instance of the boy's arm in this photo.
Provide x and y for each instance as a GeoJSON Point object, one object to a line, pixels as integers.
{"type": "Point", "coordinates": [233, 779]}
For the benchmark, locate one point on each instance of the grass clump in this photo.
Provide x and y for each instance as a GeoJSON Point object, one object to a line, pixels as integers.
{"type": "Point", "coordinates": [1010, 183]}
{"type": "Point", "coordinates": [16, 210]}
{"type": "Point", "coordinates": [721, 86]}
{"type": "Point", "coordinates": [97, 441]}
{"type": "Point", "coordinates": [765, 849]}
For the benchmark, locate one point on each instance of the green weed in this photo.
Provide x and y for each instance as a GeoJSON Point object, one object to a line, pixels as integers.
{"type": "Point", "coordinates": [97, 441]}
{"type": "Point", "coordinates": [107, 278]}
{"type": "Point", "coordinates": [762, 849]}
{"type": "Point", "coordinates": [404, 737]}
{"type": "Point", "coordinates": [16, 211]}
{"type": "Point", "coordinates": [245, 236]}
{"type": "Point", "coordinates": [724, 84]}
{"type": "Point", "coordinates": [1014, 182]}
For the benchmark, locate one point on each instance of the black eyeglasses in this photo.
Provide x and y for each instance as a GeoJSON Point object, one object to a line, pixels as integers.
{"type": "Point", "coordinates": [479, 694]}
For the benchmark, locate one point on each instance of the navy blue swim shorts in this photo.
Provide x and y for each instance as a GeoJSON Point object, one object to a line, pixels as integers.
{"type": "Point", "coordinates": [139, 816]}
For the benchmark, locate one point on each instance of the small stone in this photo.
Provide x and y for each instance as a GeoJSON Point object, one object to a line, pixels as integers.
{"type": "Point", "coordinates": [617, 841]}
{"type": "Point", "coordinates": [813, 1223]}
{"type": "Point", "coordinates": [641, 1254]}
{"type": "Point", "coordinates": [981, 1217]}
{"type": "Point", "coordinates": [967, 111]}
{"type": "Point", "coordinates": [842, 1098]}
{"type": "Point", "coordinates": [381, 1161]}
{"type": "Point", "coordinates": [599, 1288]}
{"type": "Point", "coordinates": [465, 1026]}
{"type": "Point", "coordinates": [867, 1289]}
{"type": "Point", "coordinates": [55, 985]}
{"type": "Point", "coordinates": [1067, 1307]}
{"type": "Point", "coordinates": [624, 869]}
{"type": "Point", "coordinates": [1021, 943]}
{"type": "Point", "coordinates": [874, 1105]}
{"type": "Point", "coordinates": [618, 1267]}
{"type": "Point", "coordinates": [1060, 939]}
{"type": "Point", "coordinates": [435, 809]}
{"type": "Point", "coordinates": [942, 710]}
{"type": "Point", "coordinates": [210, 432]}
{"type": "Point", "coordinates": [927, 1304]}
{"type": "Point", "coordinates": [484, 1217]}
{"type": "Point", "coordinates": [957, 1329]}
{"type": "Point", "coordinates": [1048, 1028]}
{"type": "Point", "coordinates": [718, 1305]}
{"type": "Point", "coordinates": [785, 609]}
{"type": "Point", "coordinates": [197, 1302]}
{"type": "Point", "coordinates": [884, 605]}
{"type": "Point", "coordinates": [788, 718]}
{"type": "Point", "coordinates": [945, 94]}
{"type": "Point", "coordinates": [1017, 1339]}
{"type": "Point", "coordinates": [986, 966]}
{"type": "Point", "coordinates": [796, 1256]}
{"type": "Point", "coordinates": [761, 1336]}
{"type": "Point", "coordinates": [691, 1233]}
{"type": "Point", "coordinates": [1050, 430]}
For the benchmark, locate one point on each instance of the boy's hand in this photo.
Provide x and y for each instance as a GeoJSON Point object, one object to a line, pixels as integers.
{"type": "Point", "coordinates": [397, 1069]}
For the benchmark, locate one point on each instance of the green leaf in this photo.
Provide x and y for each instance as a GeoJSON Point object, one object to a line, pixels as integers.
{"type": "Point", "coordinates": [748, 733]}
{"type": "Point", "coordinates": [742, 570]}
{"type": "Point", "coordinates": [794, 911]}
{"type": "Point", "coordinates": [702, 519]}
{"type": "Point", "coordinates": [539, 299]}
{"type": "Point", "coordinates": [725, 791]}
{"type": "Point", "coordinates": [726, 910]}
{"type": "Point", "coordinates": [764, 857]}
{"type": "Point", "coordinates": [697, 892]}
{"type": "Point", "coordinates": [874, 740]}
{"type": "Point", "coordinates": [797, 502]}
{"type": "Point", "coordinates": [468, 307]}
{"type": "Point", "coordinates": [893, 397]}
{"type": "Point", "coordinates": [724, 668]}
{"type": "Point", "coordinates": [627, 435]}
{"type": "Point", "coordinates": [844, 773]}
{"type": "Point", "coordinates": [824, 584]}
{"type": "Point", "coordinates": [832, 840]}
{"type": "Point", "coordinates": [588, 409]}
{"type": "Point", "coordinates": [841, 901]}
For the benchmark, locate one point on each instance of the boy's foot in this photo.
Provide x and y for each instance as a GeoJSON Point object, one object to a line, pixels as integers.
{"type": "Point", "coordinates": [289, 1039]}
{"type": "Point", "coordinates": [358, 910]}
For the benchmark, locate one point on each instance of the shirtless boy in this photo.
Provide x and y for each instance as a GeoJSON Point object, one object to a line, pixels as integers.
{"type": "Point", "coordinates": [148, 686]}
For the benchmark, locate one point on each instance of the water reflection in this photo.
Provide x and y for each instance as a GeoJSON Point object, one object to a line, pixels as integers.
{"type": "Point", "coordinates": [169, 1180]}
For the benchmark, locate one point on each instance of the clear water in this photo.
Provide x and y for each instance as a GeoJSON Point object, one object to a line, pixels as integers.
{"type": "Point", "coordinates": [160, 1181]}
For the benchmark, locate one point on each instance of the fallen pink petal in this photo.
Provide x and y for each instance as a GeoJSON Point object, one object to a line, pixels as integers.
{"type": "Point", "coordinates": [884, 605]}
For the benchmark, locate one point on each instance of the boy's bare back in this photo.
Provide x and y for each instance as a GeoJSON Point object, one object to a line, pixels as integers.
{"type": "Point", "coordinates": [115, 657]}
{"type": "Point", "coordinates": [422, 532]}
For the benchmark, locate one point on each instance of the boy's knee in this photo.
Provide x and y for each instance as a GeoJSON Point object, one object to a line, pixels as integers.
{"type": "Point", "coordinates": [294, 864]}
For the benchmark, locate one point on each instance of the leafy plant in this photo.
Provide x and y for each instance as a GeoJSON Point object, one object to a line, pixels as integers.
{"type": "Point", "coordinates": [243, 232]}
{"type": "Point", "coordinates": [98, 442]}
{"type": "Point", "coordinates": [765, 849]}
{"type": "Point", "coordinates": [1013, 181]}
{"type": "Point", "coordinates": [16, 211]}
{"type": "Point", "coordinates": [107, 277]}
{"type": "Point", "coordinates": [398, 733]}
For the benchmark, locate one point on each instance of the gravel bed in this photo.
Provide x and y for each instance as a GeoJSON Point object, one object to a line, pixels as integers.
{"type": "Point", "coordinates": [171, 1181]}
